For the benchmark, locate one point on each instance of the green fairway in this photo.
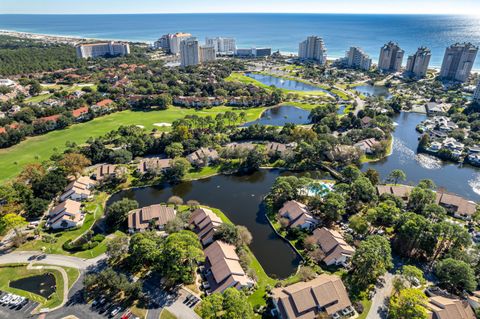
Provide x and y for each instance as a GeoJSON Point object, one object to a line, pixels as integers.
{"type": "Point", "coordinates": [40, 148]}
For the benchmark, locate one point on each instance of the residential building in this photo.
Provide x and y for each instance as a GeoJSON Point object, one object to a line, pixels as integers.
{"type": "Point", "coordinates": [401, 191]}
{"type": "Point", "coordinates": [78, 190]}
{"type": "Point", "coordinates": [476, 94]}
{"type": "Point", "coordinates": [103, 106]}
{"type": "Point", "coordinates": [203, 156]}
{"type": "Point", "coordinates": [222, 45]}
{"type": "Point", "coordinates": [204, 223]}
{"type": "Point", "coordinates": [456, 205]}
{"type": "Point", "coordinates": [65, 215]}
{"type": "Point", "coordinates": [335, 249]}
{"type": "Point", "coordinates": [170, 43]}
{"type": "Point", "coordinates": [223, 269]}
{"type": "Point", "coordinates": [356, 58]}
{"type": "Point", "coordinates": [313, 49]}
{"type": "Point", "coordinates": [445, 308]}
{"type": "Point", "coordinates": [367, 146]}
{"type": "Point", "coordinates": [106, 171]}
{"type": "Point", "coordinates": [198, 101]}
{"type": "Point", "coordinates": [297, 215]}
{"type": "Point", "coordinates": [95, 50]}
{"type": "Point", "coordinates": [6, 82]}
{"type": "Point", "coordinates": [80, 113]}
{"type": "Point", "coordinates": [323, 296]}
{"type": "Point", "coordinates": [153, 164]}
{"type": "Point", "coordinates": [207, 54]}
{"type": "Point", "coordinates": [458, 62]}
{"type": "Point", "coordinates": [474, 299]}
{"type": "Point", "coordinates": [417, 64]}
{"type": "Point", "coordinates": [280, 149]}
{"type": "Point", "coordinates": [254, 52]}
{"type": "Point", "coordinates": [146, 217]}
{"type": "Point", "coordinates": [391, 58]}
{"type": "Point", "coordinates": [437, 109]}
{"type": "Point", "coordinates": [189, 52]}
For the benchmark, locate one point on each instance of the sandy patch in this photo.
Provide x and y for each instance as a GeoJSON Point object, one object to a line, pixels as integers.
{"type": "Point", "coordinates": [162, 124]}
{"type": "Point", "coordinates": [140, 126]}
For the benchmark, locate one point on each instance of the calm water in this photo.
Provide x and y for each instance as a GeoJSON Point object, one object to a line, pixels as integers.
{"type": "Point", "coordinates": [282, 83]}
{"type": "Point", "coordinates": [373, 90]}
{"type": "Point", "coordinates": [281, 115]}
{"type": "Point", "coordinates": [464, 181]}
{"type": "Point", "coordinates": [280, 31]}
{"type": "Point", "coordinates": [43, 285]}
{"type": "Point", "coordinates": [240, 198]}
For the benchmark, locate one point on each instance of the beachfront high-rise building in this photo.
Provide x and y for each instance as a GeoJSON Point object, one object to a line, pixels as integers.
{"type": "Point", "coordinates": [458, 62]}
{"type": "Point", "coordinates": [476, 95]}
{"type": "Point", "coordinates": [170, 43]}
{"type": "Point", "coordinates": [222, 45]}
{"type": "Point", "coordinates": [207, 54]}
{"type": "Point", "coordinates": [391, 58]}
{"type": "Point", "coordinates": [417, 64]}
{"type": "Point", "coordinates": [313, 49]}
{"type": "Point", "coordinates": [357, 59]}
{"type": "Point", "coordinates": [95, 50]}
{"type": "Point", "coordinates": [189, 52]}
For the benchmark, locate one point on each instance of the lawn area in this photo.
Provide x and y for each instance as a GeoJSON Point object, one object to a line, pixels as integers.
{"type": "Point", "coordinates": [10, 273]}
{"type": "Point", "coordinates": [40, 148]}
{"type": "Point", "coordinates": [167, 315]}
{"type": "Point", "coordinates": [94, 211]}
{"type": "Point", "coordinates": [204, 172]}
{"type": "Point", "coordinates": [366, 307]}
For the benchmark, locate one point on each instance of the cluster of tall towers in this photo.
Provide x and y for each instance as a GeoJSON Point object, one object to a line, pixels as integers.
{"type": "Point", "coordinates": [457, 63]}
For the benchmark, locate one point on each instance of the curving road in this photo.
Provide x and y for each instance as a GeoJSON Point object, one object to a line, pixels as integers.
{"type": "Point", "coordinates": [49, 259]}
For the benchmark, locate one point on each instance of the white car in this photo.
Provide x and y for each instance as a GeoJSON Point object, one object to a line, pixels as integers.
{"type": "Point", "coordinates": [15, 301]}
{"type": "Point", "coordinates": [6, 299]}
{"type": "Point", "coordinates": [20, 301]}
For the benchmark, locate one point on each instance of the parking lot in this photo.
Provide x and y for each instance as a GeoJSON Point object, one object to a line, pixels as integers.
{"type": "Point", "coordinates": [22, 310]}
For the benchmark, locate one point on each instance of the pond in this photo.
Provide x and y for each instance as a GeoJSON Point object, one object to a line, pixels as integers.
{"type": "Point", "coordinates": [373, 90]}
{"type": "Point", "coordinates": [463, 180]}
{"type": "Point", "coordinates": [240, 198]}
{"type": "Point", "coordinates": [286, 84]}
{"type": "Point", "coordinates": [281, 115]}
{"type": "Point", "coordinates": [43, 285]}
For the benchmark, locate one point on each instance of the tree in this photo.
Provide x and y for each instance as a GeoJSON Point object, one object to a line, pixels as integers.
{"type": "Point", "coordinates": [333, 207]}
{"type": "Point", "coordinates": [410, 303]}
{"type": "Point", "coordinates": [145, 249]}
{"type": "Point", "coordinates": [13, 221]}
{"type": "Point", "coordinates": [254, 160]}
{"type": "Point", "coordinates": [177, 170]}
{"type": "Point", "coordinates": [232, 304]}
{"type": "Point", "coordinates": [174, 225]}
{"type": "Point", "coordinates": [359, 224]}
{"type": "Point", "coordinates": [227, 233]}
{"type": "Point", "coordinates": [362, 190]}
{"type": "Point", "coordinates": [371, 260]}
{"type": "Point", "coordinates": [373, 176]}
{"type": "Point", "coordinates": [244, 235]}
{"type": "Point", "coordinates": [181, 253]}
{"type": "Point", "coordinates": [175, 201]}
{"type": "Point", "coordinates": [117, 248]}
{"type": "Point", "coordinates": [413, 275]}
{"type": "Point", "coordinates": [117, 213]}
{"type": "Point", "coordinates": [74, 163]}
{"type": "Point", "coordinates": [174, 150]}
{"type": "Point", "coordinates": [397, 175]}
{"type": "Point", "coordinates": [419, 198]}
{"type": "Point", "coordinates": [455, 275]}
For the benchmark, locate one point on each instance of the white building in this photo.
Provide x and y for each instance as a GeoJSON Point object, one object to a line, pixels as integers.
{"type": "Point", "coordinates": [391, 57]}
{"type": "Point", "coordinates": [207, 54]}
{"type": "Point", "coordinates": [95, 50]}
{"type": "Point", "coordinates": [222, 45]}
{"type": "Point", "coordinates": [458, 62]}
{"type": "Point", "coordinates": [6, 82]}
{"type": "Point", "coordinates": [476, 94]}
{"type": "Point", "coordinates": [65, 215]}
{"type": "Point", "coordinates": [357, 59]}
{"type": "Point", "coordinates": [314, 49]}
{"type": "Point", "coordinates": [189, 52]}
{"type": "Point", "coordinates": [417, 64]}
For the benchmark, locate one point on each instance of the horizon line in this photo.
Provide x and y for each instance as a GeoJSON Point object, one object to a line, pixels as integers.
{"type": "Point", "coordinates": [309, 13]}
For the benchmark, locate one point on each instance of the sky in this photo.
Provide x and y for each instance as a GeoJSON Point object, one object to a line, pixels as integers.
{"type": "Point", "coordinates": [234, 6]}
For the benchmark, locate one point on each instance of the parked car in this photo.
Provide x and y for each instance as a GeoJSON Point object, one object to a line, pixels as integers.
{"type": "Point", "coordinates": [6, 299]}
{"type": "Point", "coordinates": [115, 311]}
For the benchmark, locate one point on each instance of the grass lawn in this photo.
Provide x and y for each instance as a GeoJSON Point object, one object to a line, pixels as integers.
{"type": "Point", "coordinates": [40, 148]}
{"type": "Point", "coordinates": [204, 172]}
{"type": "Point", "coordinates": [167, 315]}
{"type": "Point", "coordinates": [14, 272]}
{"type": "Point", "coordinates": [95, 211]}
{"type": "Point", "coordinates": [366, 307]}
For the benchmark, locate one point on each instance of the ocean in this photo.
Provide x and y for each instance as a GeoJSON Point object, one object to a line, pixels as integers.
{"type": "Point", "coordinates": [279, 31]}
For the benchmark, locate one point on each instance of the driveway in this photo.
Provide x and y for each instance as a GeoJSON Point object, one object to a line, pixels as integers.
{"type": "Point", "coordinates": [380, 297]}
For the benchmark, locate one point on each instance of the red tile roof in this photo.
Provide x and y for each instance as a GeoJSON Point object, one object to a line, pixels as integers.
{"type": "Point", "coordinates": [53, 118]}
{"type": "Point", "coordinates": [105, 102]}
{"type": "Point", "coordinates": [80, 111]}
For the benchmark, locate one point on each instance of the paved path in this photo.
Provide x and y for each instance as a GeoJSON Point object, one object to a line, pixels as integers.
{"type": "Point", "coordinates": [50, 259]}
{"type": "Point", "coordinates": [378, 300]}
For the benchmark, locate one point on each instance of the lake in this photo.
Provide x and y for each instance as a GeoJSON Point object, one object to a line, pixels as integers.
{"type": "Point", "coordinates": [281, 115]}
{"type": "Point", "coordinates": [240, 198]}
{"type": "Point", "coordinates": [373, 90]}
{"type": "Point", "coordinates": [463, 180]}
{"type": "Point", "coordinates": [286, 84]}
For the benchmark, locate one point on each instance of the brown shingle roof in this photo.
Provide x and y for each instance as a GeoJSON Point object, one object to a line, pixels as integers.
{"type": "Point", "coordinates": [139, 219]}
{"type": "Point", "coordinates": [445, 308]}
{"type": "Point", "coordinates": [205, 222]}
{"type": "Point", "coordinates": [153, 163]}
{"type": "Point", "coordinates": [304, 299]}
{"type": "Point", "coordinates": [332, 244]}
